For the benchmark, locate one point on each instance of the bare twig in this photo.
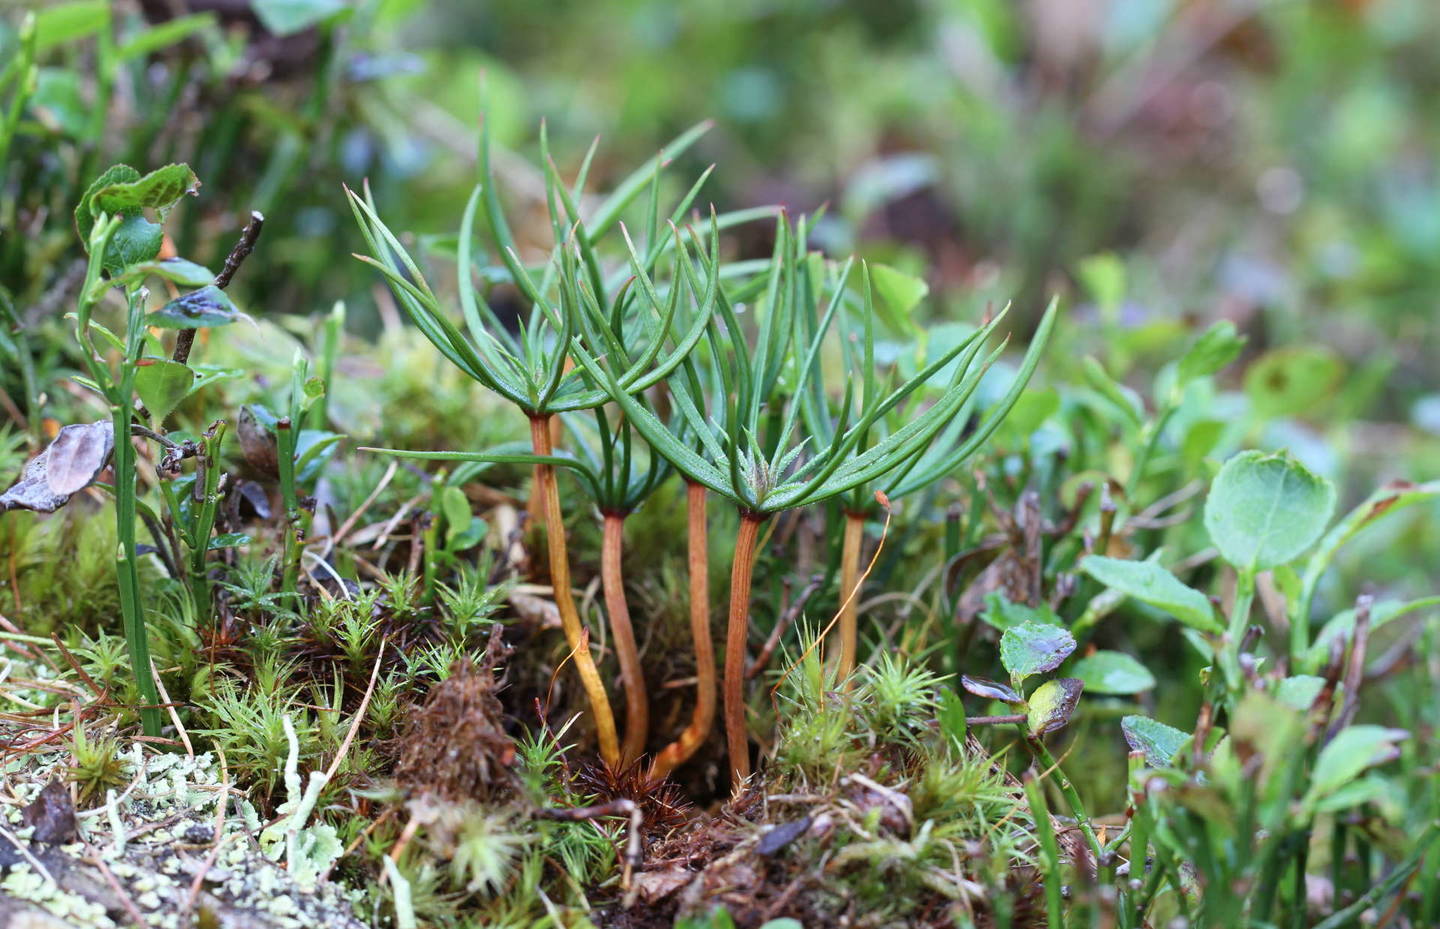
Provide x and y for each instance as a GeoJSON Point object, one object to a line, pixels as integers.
{"type": "Point", "coordinates": [186, 339]}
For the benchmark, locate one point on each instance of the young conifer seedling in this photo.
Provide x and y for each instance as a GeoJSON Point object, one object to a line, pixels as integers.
{"type": "Point", "coordinates": [740, 412]}
{"type": "Point", "coordinates": [532, 369]}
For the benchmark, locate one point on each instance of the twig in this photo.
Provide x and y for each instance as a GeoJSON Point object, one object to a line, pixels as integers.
{"type": "Point", "coordinates": [623, 806]}
{"type": "Point", "coordinates": [130, 909]}
{"type": "Point", "coordinates": [174, 716]}
{"type": "Point", "coordinates": [25, 853]}
{"type": "Point", "coordinates": [186, 339]}
{"type": "Point", "coordinates": [783, 623]}
{"type": "Point", "coordinates": [339, 534]}
{"type": "Point", "coordinates": [359, 714]}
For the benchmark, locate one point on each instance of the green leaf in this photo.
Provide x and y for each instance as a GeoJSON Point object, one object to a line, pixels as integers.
{"type": "Point", "coordinates": [1003, 613]}
{"type": "Point", "coordinates": [286, 17]}
{"type": "Point", "coordinates": [1349, 754]}
{"type": "Point", "coordinates": [1034, 648]}
{"type": "Point", "coordinates": [1342, 624]}
{"type": "Point", "coordinates": [136, 240]}
{"type": "Point", "coordinates": [200, 309]}
{"type": "Point", "coordinates": [164, 35]}
{"type": "Point", "coordinates": [1217, 347]}
{"type": "Point", "coordinates": [899, 294]}
{"type": "Point", "coordinates": [1159, 742]}
{"type": "Point", "coordinates": [1362, 791]}
{"type": "Point", "coordinates": [1125, 401]}
{"type": "Point", "coordinates": [1265, 510]}
{"type": "Point", "coordinates": [1299, 691]}
{"type": "Point", "coordinates": [158, 190]}
{"type": "Point", "coordinates": [84, 215]}
{"type": "Point", "coordinates": [1106, 672]}
{"type": "Point", "coordinates": [1052, 704]}
{"type": "Point", "coordinates": [59, 23]}
{"type": "Point", "coordinates": [456, 508]}
{"type": "Point", "coordinates": [229, 540]}
{"type": "Point", "coordinates": [162, 384]}
{"type": "Point", "coordinates": [1150, 583]}
{"type": "Point", "coordinates": [951, 716]}
{"type": "Point", "coordinates": [1293, 381]}
{"type": "Point", "coordinates": [176, 270]}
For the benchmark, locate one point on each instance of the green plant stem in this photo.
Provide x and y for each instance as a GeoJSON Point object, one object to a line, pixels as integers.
{"type": "Point", "coordinates": [1050, 851]}
{"type": "Point", "coordinates": [1239, 621]}
{"type": "Point", "coordinates": [294, 532]}
{"type": "Point", "coordinates": [1396, 878]}
{"type": "Point", "coordinates": [737, 625]}
{"type": "Point", "coordinates": [1072, 797]}
{"type": "Point", "coordinates": [549, 496]}
{"type": "Point", "coordinates": [127, 569]}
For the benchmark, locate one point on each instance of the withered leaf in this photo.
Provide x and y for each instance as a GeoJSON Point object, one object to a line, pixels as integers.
{"type": "Point", "coordinates": [66, 466]}
{"type": "Point", "coordinates": [991, 690]}
{"type": "Point", "coordinates": [257, 440]}
{"type": "Point", "coordinates": [52, 814]}
{"type": "Point", "coordinates": [77, 455]}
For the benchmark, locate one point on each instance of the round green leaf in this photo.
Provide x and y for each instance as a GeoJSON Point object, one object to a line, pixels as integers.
{"type": "Point", "coordinates": [162, 384]}
{"type": "Point", "coordinates": [1117, 673]}
{"type": "Point", "coordinates": [1264, 510]}
{"type": "Point", "coordinates": [1034, 648]}
{"type": "Point", "coordinates": [1290, 381]}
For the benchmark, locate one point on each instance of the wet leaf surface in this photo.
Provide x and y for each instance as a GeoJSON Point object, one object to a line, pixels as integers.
{"type": "Point", "coordinates": [1034, 648]}
{"type": "Point", "coordinates": [201, 309]}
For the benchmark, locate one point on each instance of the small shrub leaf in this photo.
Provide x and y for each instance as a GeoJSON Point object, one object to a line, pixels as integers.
{"type": "Point", "coordinates": [200, 309]}
{"type": "Point", "coordinates": [158, 190]}
{"type": "Point", "coordinates": [1217, 347]}
{"type": "Point", "coordinates": [1265, 510]}
{"type": "Point", "coordinates": [1299, 692]}
{"type": "Point", "coordinates": [162, 384]}
{"type": "Point", "coordinates": [136, 240]}
{"type": "Point", "coordinates": [1150, 583]}
{"type": "Point", "coordinates": [1117, 673]}
{"type": "Point", "coordinates": [1034, 648]}
{"type": "Point", "coordinates": [1349, 754]}
{"type": "Point", "coordinates": [1052, 704]}
{"type": "Point", "coordinates": [1159, 742]}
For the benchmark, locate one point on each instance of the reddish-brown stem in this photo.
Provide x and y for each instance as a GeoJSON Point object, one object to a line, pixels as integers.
{"type": "Point", "coordinates": [549, 494]}
{"type": "Point", "coordinates": [850, 594]}
{"type": "Point", "coordinates": [679, 751]}
{"type": "Point", "coordinates": [737, 625]}
{"type": "Point", "coordinates": [612, 579]}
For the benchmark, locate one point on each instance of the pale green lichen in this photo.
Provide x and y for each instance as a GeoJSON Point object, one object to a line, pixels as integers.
{"type": "Point", "coordinates": [154, 836]}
